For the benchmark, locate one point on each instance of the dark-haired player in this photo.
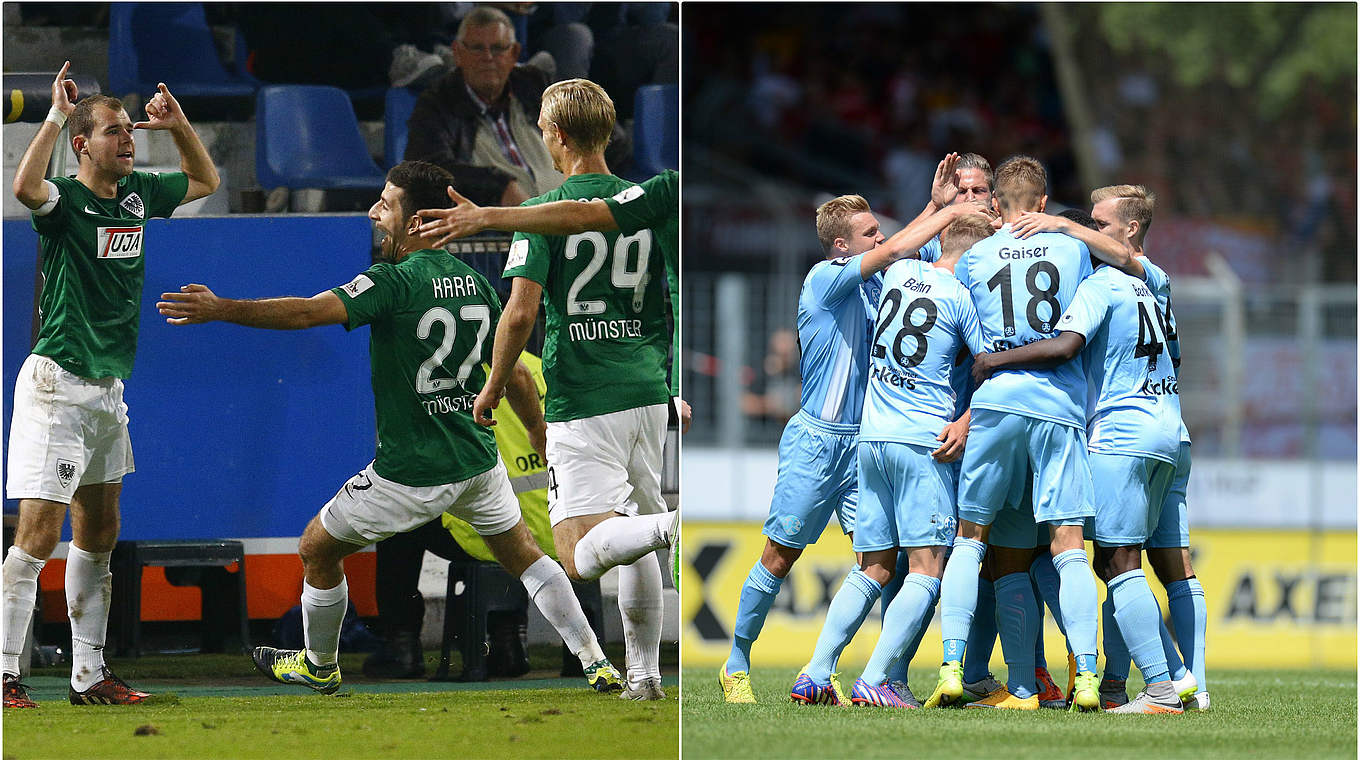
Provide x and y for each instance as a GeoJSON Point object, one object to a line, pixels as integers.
{"type": "Point", "coordinates": [431, 317]}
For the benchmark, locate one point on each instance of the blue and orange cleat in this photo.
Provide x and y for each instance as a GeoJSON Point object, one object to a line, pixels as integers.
{"type": "Point", "coordinates": [809, 692]}
{"type": "Point", "coordinates": [883, 695]}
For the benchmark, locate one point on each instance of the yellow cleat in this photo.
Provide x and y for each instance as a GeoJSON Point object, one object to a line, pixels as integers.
{"type": "Point", "coordinates": [842, 696]}
{"type": "Point", "coordinates": [736, 687]}
{"type": "Point", "coordinates": [1002, 699]}
{"type": "Point", "coordinates": [950, 686]}
{"type": "Point", "coordinates": [1086, 692]}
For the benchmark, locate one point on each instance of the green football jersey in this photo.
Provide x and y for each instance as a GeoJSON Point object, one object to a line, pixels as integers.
{"type": "Point", "coordinates": [655, 204]}
{"type": "Point", "coordinates": [605, 346]}
{"type": "Point", "coordinates": [93, 271]}
{"type": "Point", "coordinates": [432, 321]}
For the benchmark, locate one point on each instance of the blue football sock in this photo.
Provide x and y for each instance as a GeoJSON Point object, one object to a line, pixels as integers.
{"type": "Point", "coordinates": [1078, 597]}
{"type": "Point", "coordinates": [977, 657]}
{"type": "Point", "coordinates": [757, 595]}
{"type": "Point", "coordinates": [1190, 616]}
{"type": "Point", "coordinates": [1174, 664]}
{"type": "Point", "coordinates": [1017, 615]}
{"type": "Point", "coordinates": [843, 618]}
{"type": "Point", "coordinates": [900, 669]}
{"type": "Point", "coordinates": [1046, 584]}
{"type": "Point", "coordinates": [909, 613]}
{"type": "Point", "coordinates": [1116, 652]}
{"type": "Point", "coordinates": [1039, 660]}
{"type": "Point", "coordinates": [900, 572]}
{"type": "Point", "coordinates": [958, 595]}
{"type": "Point", "coordinates": [1138, 616]}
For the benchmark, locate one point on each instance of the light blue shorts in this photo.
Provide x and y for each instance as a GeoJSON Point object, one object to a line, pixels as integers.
{"type": "Point", "coordinates": [1130, 497]}
{"type": "Point", "coordinates": [907, 498]}
{"type": "Point", "coordinates": [1006, 451]}
{"type": "Point", "coordinates": [817, 474]}
{"type": "Point", "coordinates": [1173, 526]}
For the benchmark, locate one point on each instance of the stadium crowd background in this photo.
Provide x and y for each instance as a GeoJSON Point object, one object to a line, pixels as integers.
{"type": "Point", "coordinates": [1243, 121]}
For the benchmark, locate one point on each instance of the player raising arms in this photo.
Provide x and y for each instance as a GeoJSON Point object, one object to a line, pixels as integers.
{"type": "Point", "coordinates": [1134, 440]}
{"type": "Point", "coordinates": [817, 471]}
{"type": "Point", "coordinates": [1024, 421]}
{"type": "Point", "coordinates": [925, 320]}
{"type": "Point", "coordinates": [69, 441]}
{"type": "Point", "coordinates": [430, 315]}
{"type": "Point", "coordinates": [604, 359]}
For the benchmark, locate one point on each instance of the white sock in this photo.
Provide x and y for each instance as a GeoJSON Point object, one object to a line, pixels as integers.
{"type": "Point", "coordinates": [89, 584]}
{"type": "Point", "coordinates": [621, 541]}
{"type": "Point", "coordinates": [640, 605]}
{"type": "Point", "coordinates": [323, 612]}
{"type": "Point", "coordinates": [21, 594]}
{"type": "Point", "coordinates": [550, 590]}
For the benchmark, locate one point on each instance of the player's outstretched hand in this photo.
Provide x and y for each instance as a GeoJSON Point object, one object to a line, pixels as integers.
{"type": "Point", "coordinates": [973, 207]}
{"type": "Point", "coordinates": [945, 187]}
{"type": "Point", "coordinates": [1034, 222]}
{"type": "Point", "coordinates": [486, 401]}
{"type": "Point", "coordinates": [954, 436]}
{"type": "Point", "coordinates": [64, 91]}
{"type": "Point", "coordinates": [162, 111]}
{"type": "Point", "coordinates": [193, 304]}
{"type": "Point", "coordinates": [451, 223]}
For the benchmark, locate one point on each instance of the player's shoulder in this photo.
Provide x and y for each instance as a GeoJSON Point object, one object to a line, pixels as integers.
{"type": "Point", "coordinates": [583, 187]}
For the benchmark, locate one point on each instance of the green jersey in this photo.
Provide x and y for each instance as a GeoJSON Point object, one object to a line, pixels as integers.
{"type": "Point", "coordinates": [605, 347]}
{"type": "Point", "coordinates": [93, 271]}
{"type": "Point", "coordinates": [655, 204]}
{"type": "Point", "coordinates": [432, 320]}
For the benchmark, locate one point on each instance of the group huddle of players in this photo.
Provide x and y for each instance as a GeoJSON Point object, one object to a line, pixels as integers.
{"type": "Point", "coordinates": [964, 384]}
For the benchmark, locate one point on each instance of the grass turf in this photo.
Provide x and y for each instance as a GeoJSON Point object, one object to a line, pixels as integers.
{"type": "Point", "coordinates": [1256, 714]}
{"type": "Point", "coordinates": [196, 717]}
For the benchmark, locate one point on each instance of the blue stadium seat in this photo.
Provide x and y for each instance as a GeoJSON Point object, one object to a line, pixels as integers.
{"type": "Point", "coordinates": [171, 43]}
{"type": "Point", "coordinates": [656, 129]}
{"type": "Point", "coordinates": [307, 136]}
{"type": "Point", "coordinates": [400, 102]}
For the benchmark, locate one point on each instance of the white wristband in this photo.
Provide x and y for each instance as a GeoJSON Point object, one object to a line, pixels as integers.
{"type": "Point", "coordinates": [55, 116]}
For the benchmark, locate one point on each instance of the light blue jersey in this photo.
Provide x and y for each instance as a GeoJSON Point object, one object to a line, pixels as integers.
{"type": "Point", "coordinates": [1162, 293]}
{"type": "Point", "coordinates": [1134, 398]}
{"type": "Point", "coordinates": [835, 310]}
{"type": "Point", "coordinates": [924, 318]}
{"type": "Point", "coordinates": [930, 252]}
{"type": "Point", "coordinates": [1020, 288]}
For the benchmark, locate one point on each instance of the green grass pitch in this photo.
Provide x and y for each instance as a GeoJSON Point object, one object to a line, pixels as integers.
{"type": "Point", "coordinates": [1256, 714]}
{"type": "Point", "coordinates": [214, 706]}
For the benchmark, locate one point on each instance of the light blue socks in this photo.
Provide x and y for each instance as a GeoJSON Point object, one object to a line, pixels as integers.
{"type": "Point", "coordinates": [843, 618]}
{"type": "Point", "coordinates": [757, 595]}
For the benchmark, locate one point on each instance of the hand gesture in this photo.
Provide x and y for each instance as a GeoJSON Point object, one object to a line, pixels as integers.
{"type": "Point", "coordinates": [973, 207]}
{"type": "Point", "coordinates": [1033, 222]}
{"type": "Point", "coordinates": [162, 111]}
{"type": "Point", "coordinates": [64, 92]}
{"type": "Point", "coordinates": [451, 223]}
{"type": "Point", "coordinates": [982, 368]}
{"type": "Point", "coordinates": [486, 401]}
{"type": "Point", "coordinates": [945, 187]}
{"type": "Point", "coordinates": [194, 304]}
{"type": "Point", "coordinates": [954, 436]}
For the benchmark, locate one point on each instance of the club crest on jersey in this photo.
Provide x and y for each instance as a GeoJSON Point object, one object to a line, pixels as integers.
{"type": "Point", "coordinates": [357, 285]}
{"type": "Point", "coordinates": [133, 205]}
{"type": "Point", "coordinates": [118, 242]}
{"type": "Point", "coordinates": [66, 470]}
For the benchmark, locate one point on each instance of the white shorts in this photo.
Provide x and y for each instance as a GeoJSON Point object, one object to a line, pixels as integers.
{"type": "Point", "coordinates": [369, 507]}
{"type": "Point", "coordinates": [606, 463]}
{"type": "Point", "coordinates": [67, 432]}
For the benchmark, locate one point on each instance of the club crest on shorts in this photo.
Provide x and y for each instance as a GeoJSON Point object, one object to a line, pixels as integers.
{"type": "Point", "coordinates": [133, 205]}
{"type": "Point", "coordinates": [790, 525]}
{"type": "Point", "coordinates": [66, 470]}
